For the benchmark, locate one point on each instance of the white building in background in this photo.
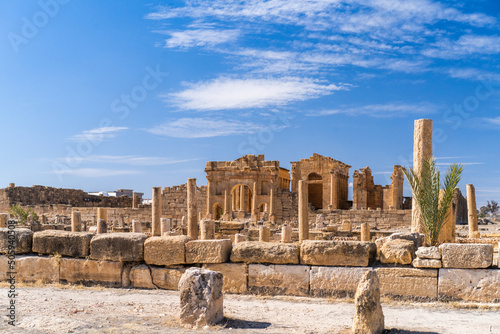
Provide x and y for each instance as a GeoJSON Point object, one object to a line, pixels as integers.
{"type": "Point", "coordinates": [116, 193]}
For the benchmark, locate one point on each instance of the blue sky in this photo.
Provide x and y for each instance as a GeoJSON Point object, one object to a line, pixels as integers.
{"type": "Point", "coordinates": [100, 95]}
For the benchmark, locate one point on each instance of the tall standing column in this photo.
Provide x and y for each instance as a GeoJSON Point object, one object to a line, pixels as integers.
{"type": "Point", "coordinates": [102, 213]}
{"type": "Point", "coordinates": [303, 212]}
{"type": "Point", "coordinates": [254, 203]}
{"type": "Point", "coordinates": [422, 151]}
{"type": "Point", "coordinates": [209, 204]}
{"type": "Point", "coordinates": [365, 232]}
{"type": "Point", "coordinates": [191, 209]}
{"type": "Point", "coordinates": [242, 198]}
{"type": "Point", "coordinates": [472, 211]}
{"type": "Point", "coordinates": [76, 221]}
{"type": "Point", "coordinates": [156, 212]}
{"type": "Point", "coordinates": [135, 200]}
{"type": "Point", "coordinates": [271, 203]}
{"type": "Point", "coordinates": [334, 190]}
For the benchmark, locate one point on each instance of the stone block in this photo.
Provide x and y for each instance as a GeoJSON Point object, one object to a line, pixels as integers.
{"type": "Point", "coordinates": [335, 281]}
{"type": "Point", "coordinates": [118, 246]}
{"type": "Point", "coordinates": [466, 256]}
{"type": "Point", "coordinates": [37, 268]}
{"type": "Point", "coordinates": [478, 285]}
{"type": "Point", "coordinates": [408, 283]}
{"type": "Point", "coordinates": [428, 253]}
{"type": "Point", "coordinates": [22, 240]}
{"type": "Point", "coordinates": [369, 318]}
{"type": "Point", "coordinates": [235, 276]}
{"type": "Point", "coordinates": [165, 251]}
{"type": "Point", "coordinates": [337, 253]}
{"type": "Point", "coordinates": [278, 279]}
{"type": "Point", "coordinates": [90, 272]}
{"type": "Point", "coordinates": [208, 251]}
{"type": "Point", "coordinates": [426, 263]}
{"type": "Point", "coordinates": [167, 278]}
{"type": "Point", "coordinates": [64, 243]}
{"type": "Point", "coordinates": [201, 298]}
{"type": "Point", "coordinates": [141, 277]}
{"type": "Point", "coordinates": [397, 251]}
{"type": "Point", "coordinates": [265, 252]}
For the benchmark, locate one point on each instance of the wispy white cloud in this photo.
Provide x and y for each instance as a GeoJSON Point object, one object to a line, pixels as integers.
{"type": "Point", "coordinates": [473, 73]}
{"type": "Point", "coordinates": [227, 93]}
{"type": "Point", "coordinates": [133, 160]}
{"type": "Point", "coordinates": [461, 163]}
{"type": "Point", "coordinates": [94, 172]}
{"type": "Point", "coordinates": [98, 134]}
{"type": "Point", "coordinates": [396, 109]}
{"type": "Point", "coordinates": [203, 128]}
{"type": "Point", "coordinates": [200, 37]}
{"type": "Point", "coordinates": [466, 45]}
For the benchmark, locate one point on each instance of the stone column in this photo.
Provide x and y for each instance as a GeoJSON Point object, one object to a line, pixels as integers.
{"type": "Point", "coordinates": [346, 226]}
{"type": "Point", "coordinates": [448, 231]}
{"type": "Point", "coordinates": [242, 198]}
{"type": "Point", "coordinates": [209, 198]}
{"type": "Point", "coordinates": [422, 151]}
{"type": "Point", "coordinates": [271, 204]}
{"type": "Point", "coordinates": [238, 237]}
{"type": "Point", "coordinates": [365, 232]}
{"type": "Point", "coordinates": [4, 218]}
{"type": "Point", "coordinates": [76, 221]}
{"type": "Point", "coordinates": [334, 190]}
{"type": "Point", "coordinates": [191, 209]}
{"type": "Point", "coordinates": [264, 234]}
{"type": "Point", "coordinates": [254, 203]}
{"type": "Point", "coordinates": [135, 200]}
{"type": "Point", "coordinates": [101, 226]}
{"type": "Point", "coordinates": [286, 234]}
{"type": "Point", "coordinates": [102, 213]}
{"type": "Point", "coordinates": [44, 219]}
{"type": "Point", "coordinates": [156, 212]}
{"type": "Point", "coordinates": [165, 225]}
{"type": "Point", "coordinates": [207, 229]}
{"type": "Point", "coordinates": [136, 226]}
{"type": "Point", "coordinates": [84, 226]}
{"type": "Point", "coordinates": [472, 211]}
{"type": "Point", "coordinates": [303, 212]}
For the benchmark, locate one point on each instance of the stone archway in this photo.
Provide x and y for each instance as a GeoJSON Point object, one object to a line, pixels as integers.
{"type": "Point", "coordinates": [217, 211]}
{"type": "Point", "coordinates": [241, 196]}
{"type": "Point", "coordinates": [315, 190]}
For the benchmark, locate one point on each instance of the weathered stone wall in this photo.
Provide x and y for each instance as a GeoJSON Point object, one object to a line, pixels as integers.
{"type": "Point", "coordinates": [174, 201]}
{"type": "Point", "coordinates": [382, 219]}
{"type": "Point", "coordinates": [38, 195]}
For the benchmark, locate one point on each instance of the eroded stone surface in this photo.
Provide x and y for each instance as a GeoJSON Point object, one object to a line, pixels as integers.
{"type": "Point", "coordinates": [85, 271]}
{"type": "Point", "coordinates": [397, 251]}
{"type": "Point", "coordinates": [64, 243]}
{"type": "Point", "coordinates": [118, 246]}
{"type": "Point", "coordinates": [479, 285]}
{"type": "Point", "coordinates": [165, 251]}
{"type": "Point", "coordinates": [235, 276]}
{"type": "Point", "coordinates": [426, 263]}
{"type": "Point", "coordinates": [428, 253]}
{"type": "Point", "coordinates": [466, 256]}
{"type": "Point", "coordinates": [208, 251]}
{"type": "Point", "coordinates": [278, 279]}
{"type": "Point", "coordinates": [411, 283]}
{"type": "Point", "coordinates": [167, 278]}
{"type": "Point", "coordinates": [23, 240]}
{"type": "Point", "coordinates": [140, 277]}
{"type": "Point", "coordinates": [335, 281]}
{"type": "Point", "coordinates": [369, 318]}
{"type": "Point", "coordinates": [201, 298]}
{"type": "Point", "coordinates": [37, 268]}
{"type": "Point", "coordinates": [260, 252]}
{"type": "Point", "coordinates": [337, 253]}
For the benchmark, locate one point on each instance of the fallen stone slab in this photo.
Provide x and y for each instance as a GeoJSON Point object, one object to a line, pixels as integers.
{"type": "Point", "coordinates": [265, 252]}
{"type": "Point", "coordinates": [337, 253]}
{"type": "Point", "coordinates": [118, 247]}
{"type": "Point", "coordinates": [201, 298]}
{"type": "Point", "coordinates": [22, 237]}
{"type": "Point", "coordinates": [64, 243]}
{"type": "Point", "coordinates": [165, 251]}
{"type": "Point", "coordinates": [278, 279]}
{"type": "Point", "coordinates": [466, 256]}
{"type": "Point", "coordinates": [208, 251]}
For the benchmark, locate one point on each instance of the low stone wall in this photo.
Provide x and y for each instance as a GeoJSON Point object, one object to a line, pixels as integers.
{"type": "Point", "coordinates": [313, 268]}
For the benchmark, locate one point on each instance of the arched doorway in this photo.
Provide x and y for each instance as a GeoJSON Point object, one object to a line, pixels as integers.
{"type": "Point", "coordinates": [241, 196]}
{"type": "Point", "coordinates": [217, 211]}
{"type": "Point", "coordinates": [315, 190]}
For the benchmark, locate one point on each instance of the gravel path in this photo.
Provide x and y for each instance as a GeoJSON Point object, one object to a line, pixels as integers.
{"type": "Point", "coordinates": [96, 310]}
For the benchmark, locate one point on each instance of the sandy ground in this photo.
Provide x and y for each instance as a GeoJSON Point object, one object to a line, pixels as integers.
{"type": "Point", "coordinates": [68, 309]}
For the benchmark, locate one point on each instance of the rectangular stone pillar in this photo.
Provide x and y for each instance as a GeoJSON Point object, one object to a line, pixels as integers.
{"type": "Point", "coordinates": [271, 204]}
{"type": "Point", "coordinates": [255, 210]}
{"type": "Point", "coordinates": [207, 229]}
{"type": "Point", "coordinates": [422, 151]}
{"type": "Point", "coordinates": [191, 209]}
{"type": "Point", "coordinates": [303, 211]}
{"type": "Point", "coordinates": [136, 226]}
{"type": "Point", "coordinates": [334, 190]}
{"type": "Point", "coordinates": [101, 226]}
{"type": "Point", "coordinates": [365, 232]}
{"type": "Point", "coordinates": [76, 221]}
{"type": "Point", "coordinates": [102, 213]}
{"type": "Point", "coordinates": [156, 212]}
{"type": "Point", "coordinates": [286, 234]}
{"type": "Point", "coordinates": [472, 211]}
{"type": "Point", "coordinates": [135, 200]}
{"type": "Point", "coordinates": [165, 226]}
{"type": "Point", "coordinates": [4, 218]}
{"type": "Point", "coordinates": [264, 234]}
{"type": "Point", "coordinates": [209, 198]}
{"type": "Point", "coordinates": [448, 231]}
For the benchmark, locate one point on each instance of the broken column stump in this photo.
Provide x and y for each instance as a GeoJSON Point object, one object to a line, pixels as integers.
{"type": "Point", "coordinates": [369, 318]}
{"type": "Point", "coordinates": [201, 297]}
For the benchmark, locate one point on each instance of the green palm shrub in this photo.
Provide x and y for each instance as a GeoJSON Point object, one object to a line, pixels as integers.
{"type": "Point", "coordinates": [426, 187]}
